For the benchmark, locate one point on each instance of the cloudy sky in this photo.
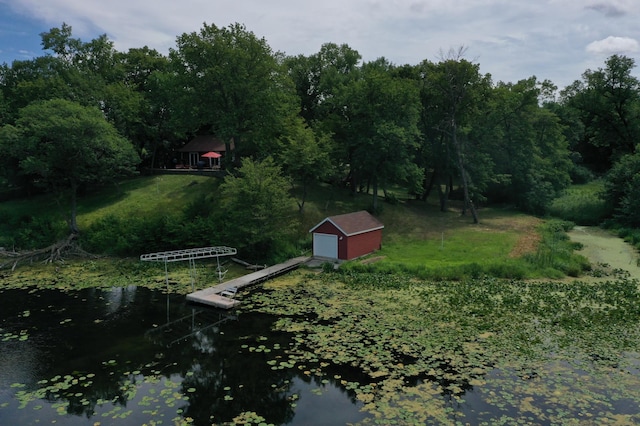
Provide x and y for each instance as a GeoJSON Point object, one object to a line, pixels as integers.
{"type": "Point", "coordinates": [510, 39]}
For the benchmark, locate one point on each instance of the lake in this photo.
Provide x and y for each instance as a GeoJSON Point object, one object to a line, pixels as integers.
{"type": "Point", "coordinates": [135, 356]}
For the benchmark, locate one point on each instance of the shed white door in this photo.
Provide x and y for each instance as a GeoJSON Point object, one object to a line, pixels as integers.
{"type": "Point", "coordinates": [325, 245]}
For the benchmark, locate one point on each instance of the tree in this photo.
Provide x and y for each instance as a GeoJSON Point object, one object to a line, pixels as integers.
{"type": "Point", "coordinates": [140, 104]}
{"type": "Point", "coordinates": [304, 156]}
{"type": "Point", "coordinates": [435, 154]}
{"type": "Point", "coordinates": [528, 147]}
{"type": "Point", "coordinates": [122, 85]}
{"type": "Point", "coordinates": [61, 146]}
{"type": "Point", "coordinates": [230, 83]}
{"type": "Point", "coordinates": [458, 88]}
{"type": "Point", "coordinates": [256, 206]}
{"type": "Point", "coordinates": [622, 189]}
{"type": "Point", "coordinates": [320, 80]}
{"type": "Point", "coordinates": [381, 115]}
{"type": "Point", "coordinates": [41, 78]}
{"type": "Point", "coordinates": [608, 101]}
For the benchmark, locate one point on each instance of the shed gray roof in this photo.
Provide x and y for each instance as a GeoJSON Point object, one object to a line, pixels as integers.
{"type": "Point", "coordinates": [353, 223]}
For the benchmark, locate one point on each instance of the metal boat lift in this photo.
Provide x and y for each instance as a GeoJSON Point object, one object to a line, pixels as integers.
{"type": "Point", "coordinates": [190, 255]}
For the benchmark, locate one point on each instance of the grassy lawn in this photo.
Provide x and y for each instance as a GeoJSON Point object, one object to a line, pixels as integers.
{"type": "Point", "coordinates": [147, 195]}
{"type": "Point", "coordinates": [459, 248]}
{"type": "Point", "coordinates": [419, 238]}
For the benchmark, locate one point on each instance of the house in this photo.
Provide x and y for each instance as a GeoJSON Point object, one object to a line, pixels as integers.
{"type": "Point", "coordinates": [347, 236]}
{"type": "Point", "coordinates": [205, 149]}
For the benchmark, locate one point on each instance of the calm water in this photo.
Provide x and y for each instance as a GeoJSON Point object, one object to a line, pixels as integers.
{"type": "Point", "coordinates": [130, 356]}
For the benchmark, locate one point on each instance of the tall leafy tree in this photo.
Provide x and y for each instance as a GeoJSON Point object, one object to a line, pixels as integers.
{"type": "Point", "coordinates": [608, 102]}
{"type": "Point", "coordinates": [231, 84]}
{"type": "Point", "coordinates": [435, 154]}
{"type": "Point", "coordinates": [304, 156]}
{"type": "Point", "coordinates": [37, 79]}
{"type": "Point", "coordinates": [142, 104]}
{"type": "Point", "coordinates": [61, 145]}
{"type": "Point", "coordinates": [320, 79]}
{"type": "Point", "coordinates": [459, 89]}
{"type": "Point", "coordinates": [94, 74]}
{"type": "Point", "coordinates": [381, 127]}
{"type": "Point", "coordinates": [527, 145]}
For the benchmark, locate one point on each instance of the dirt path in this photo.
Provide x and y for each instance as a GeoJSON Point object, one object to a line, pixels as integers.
{"type": "Point", "coordinates": [601, 247]}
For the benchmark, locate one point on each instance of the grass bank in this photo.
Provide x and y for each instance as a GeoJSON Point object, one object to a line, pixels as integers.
{"type": "Point", "coordinates": [151, 213]}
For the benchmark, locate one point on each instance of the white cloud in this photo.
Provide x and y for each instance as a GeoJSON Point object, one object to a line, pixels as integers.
{"type": "Point", "coordinates": [612, 45]}
{"type": "Point", "coordinates": [511, 39]}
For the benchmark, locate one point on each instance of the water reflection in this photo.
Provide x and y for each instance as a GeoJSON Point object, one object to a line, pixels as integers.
{"type": "Point", "coordinates": [134, 356]}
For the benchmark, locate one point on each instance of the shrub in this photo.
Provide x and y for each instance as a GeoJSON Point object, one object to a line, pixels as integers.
{"type": "Point", "coordinates": [201, 207]}
{"type": "Point", "coordinates": [580, 174]}
{"type": "Point", "coordinates": [582, 205]}
{"type": "Point", "coordinates": [38, 232]}
{"type": "Point", "coordinates": [628, 213]}
{"type": "Point", "coordinates": [328, 267]}
{"type": "Point", "coordinates": [391, 198]}
{"type": "Point", "coordinates": [630, 235]}
{"type": "Point", "coordinates": [556, 251]}
{"type": "Point", "coordinates": [130, 236]}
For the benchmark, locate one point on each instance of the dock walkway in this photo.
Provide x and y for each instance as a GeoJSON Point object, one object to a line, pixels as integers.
{"type": "Point", "coordinates": [212, 296]}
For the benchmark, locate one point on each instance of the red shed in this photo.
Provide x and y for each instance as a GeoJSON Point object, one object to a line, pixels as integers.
{"type": "Point", "coordinates": [347, 236]}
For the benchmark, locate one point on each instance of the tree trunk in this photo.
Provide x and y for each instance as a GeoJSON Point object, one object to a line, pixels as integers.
{"type": "Point", "coordinates": [154, 151]}
{"type": "Point", "coordinates": [463, 174]}
{"type": "Point", "coordinates": [304, 197]}
{"type": "Point", "coordinates": [232, 158]}
{"type": "Point", "coordinates": [443, 196]}
{"type": "Point", "coordinates": [375, 194]}
{"type": "Point", "coordinates": [427, 186]}
{"type": "Point", "coordinates": [73, 223]}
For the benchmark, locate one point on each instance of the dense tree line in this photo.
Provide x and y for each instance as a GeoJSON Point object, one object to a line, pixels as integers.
{"type": "Point", "coordinates": [434, 127]}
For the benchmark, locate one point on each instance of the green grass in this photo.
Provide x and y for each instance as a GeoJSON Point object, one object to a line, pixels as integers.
{"type": "Point", "coordinates": [422, 241]}
{"type": "Point", "coordinates": [461, 247]}
{"type": "Point", "coordinates": [39, 220]}
{"type": "Point", "coordinates": [150, 195]}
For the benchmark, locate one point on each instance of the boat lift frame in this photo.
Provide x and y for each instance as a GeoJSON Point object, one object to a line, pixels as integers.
{"type": "Point", "coordinates": [190, 255]}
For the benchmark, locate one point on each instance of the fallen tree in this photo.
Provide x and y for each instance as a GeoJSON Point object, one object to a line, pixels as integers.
{"type": "Point", "coordinates": [57, 252]}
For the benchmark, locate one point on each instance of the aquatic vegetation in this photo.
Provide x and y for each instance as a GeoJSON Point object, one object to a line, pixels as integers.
{"type": "Point", "coordinates": [543, 351]}
{"type": "Point", "coordinates": [9, 336]}
{"type": "Point", "coordinates": [109, 272]}
{"type": "Point", "coordinates": [147, 394]}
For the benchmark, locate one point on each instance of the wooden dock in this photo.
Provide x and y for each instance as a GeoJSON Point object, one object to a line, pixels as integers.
{"type": "Point", "coordinates": [213, 296]}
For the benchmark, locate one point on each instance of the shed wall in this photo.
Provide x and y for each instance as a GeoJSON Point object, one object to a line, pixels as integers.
{"type": "Point", "coordinates": [361, 244]}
